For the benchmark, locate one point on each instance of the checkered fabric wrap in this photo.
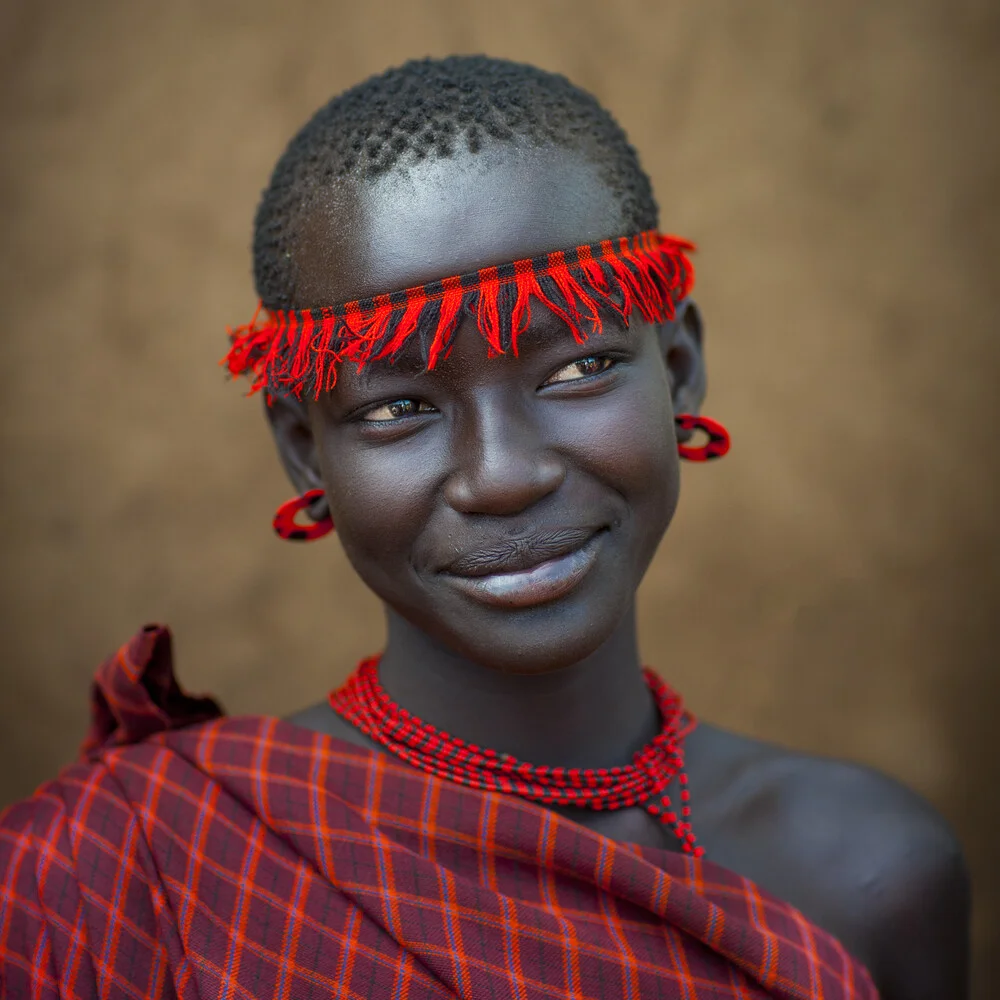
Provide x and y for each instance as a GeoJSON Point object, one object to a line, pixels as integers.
{"type": "Point", "coordinates": [249, 858]}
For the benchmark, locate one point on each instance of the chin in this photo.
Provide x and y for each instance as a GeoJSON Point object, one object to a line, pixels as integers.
{"type": "Point", "coordinates": [533, 640]}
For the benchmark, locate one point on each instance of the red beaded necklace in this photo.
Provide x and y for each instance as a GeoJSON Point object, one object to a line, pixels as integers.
{"type": "Point", "coordinates": [364, 703]}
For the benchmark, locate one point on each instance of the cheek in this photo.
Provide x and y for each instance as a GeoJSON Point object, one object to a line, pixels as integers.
{"type": "Point", "coordinates": [379, 499]}
{"type": "Point", "coordinates": [629, 445]}
{"type": "Point", "coordinates": [650, 478]}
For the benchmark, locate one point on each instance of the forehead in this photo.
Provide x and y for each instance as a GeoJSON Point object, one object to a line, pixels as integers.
{"type": "Point", "coordinates": [443, 217]}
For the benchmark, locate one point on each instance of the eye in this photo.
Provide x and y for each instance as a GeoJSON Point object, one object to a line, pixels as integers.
{"type": "Point", "coordinates": [593, 364]}
{"type": "Point", "coordinates": [396, 410]}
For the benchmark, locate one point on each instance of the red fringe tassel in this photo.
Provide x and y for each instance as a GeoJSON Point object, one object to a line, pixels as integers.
{"type": "Point", "coordinates": [298, 352]}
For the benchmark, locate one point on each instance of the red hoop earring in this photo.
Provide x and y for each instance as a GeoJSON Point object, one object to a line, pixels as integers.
{"type": "Point", "coordinates": [288, 528]}
{"type": "Point", "coordinates": [718, 438]}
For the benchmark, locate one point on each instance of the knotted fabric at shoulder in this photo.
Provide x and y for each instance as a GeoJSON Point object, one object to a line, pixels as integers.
{"type": "Point", "coordinates": [135, 694]}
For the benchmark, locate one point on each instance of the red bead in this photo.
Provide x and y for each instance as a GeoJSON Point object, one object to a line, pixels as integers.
{"type": "Point", "coordinates": [364, 703]}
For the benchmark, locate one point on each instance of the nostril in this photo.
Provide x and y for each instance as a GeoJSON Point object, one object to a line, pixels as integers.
{"type": "Point", "coordinates": [505, 487]}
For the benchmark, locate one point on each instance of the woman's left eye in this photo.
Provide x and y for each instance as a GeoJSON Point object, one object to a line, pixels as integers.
{"type": "Point", "coordinates": [594, 364]}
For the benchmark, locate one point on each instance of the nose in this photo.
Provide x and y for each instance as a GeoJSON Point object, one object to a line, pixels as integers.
{"type": "Point", "coordinates": [501, 464]}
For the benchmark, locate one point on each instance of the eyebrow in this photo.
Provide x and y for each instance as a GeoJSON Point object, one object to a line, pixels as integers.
{"type": "Point", "coordinates": [410, 364]}
{"type": "Point", "coordinates": [545, 331]}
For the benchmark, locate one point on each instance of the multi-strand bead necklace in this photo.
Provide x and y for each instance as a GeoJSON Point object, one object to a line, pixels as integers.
{"type": "Point", "coordinates": [365, 704]}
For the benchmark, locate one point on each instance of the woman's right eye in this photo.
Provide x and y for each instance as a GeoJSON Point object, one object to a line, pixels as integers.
{"type": "Point", "coordinates": [396, 410]}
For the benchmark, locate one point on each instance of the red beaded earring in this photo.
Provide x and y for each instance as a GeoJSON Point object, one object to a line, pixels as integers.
{"type": "Point", "coordinates": [718, 438]}
{"type": "Point", "coordinates": [288, 528]}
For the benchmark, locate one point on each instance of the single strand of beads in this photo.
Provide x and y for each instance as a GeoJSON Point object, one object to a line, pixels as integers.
{"type": "Point", "coordinates": [364, 703]}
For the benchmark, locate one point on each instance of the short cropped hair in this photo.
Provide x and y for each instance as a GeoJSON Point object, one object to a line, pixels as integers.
{"type": "Point", "coordinates": [431, 108]}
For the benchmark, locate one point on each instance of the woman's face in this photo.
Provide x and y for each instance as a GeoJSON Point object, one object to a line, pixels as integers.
{"type": "Point", "coordinates": [507, 506]}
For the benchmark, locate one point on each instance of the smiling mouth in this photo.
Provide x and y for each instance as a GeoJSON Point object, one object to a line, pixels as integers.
{"type": "Point", "coordinates": [546, 581]}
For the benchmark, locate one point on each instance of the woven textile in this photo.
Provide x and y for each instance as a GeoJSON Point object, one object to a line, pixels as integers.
{"type": "Point", "coordinates": [192, 855]}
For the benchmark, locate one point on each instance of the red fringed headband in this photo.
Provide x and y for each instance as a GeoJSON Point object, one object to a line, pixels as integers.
{"type": "Point", "coordinates": [296, 352]}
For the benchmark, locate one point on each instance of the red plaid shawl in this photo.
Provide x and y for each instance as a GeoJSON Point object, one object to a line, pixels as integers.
{"type": "Point", "coordinates": [250, 858]}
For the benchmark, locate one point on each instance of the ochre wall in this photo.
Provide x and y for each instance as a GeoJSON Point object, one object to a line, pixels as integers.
{"type": "Point", "coordinates": [831, 585]}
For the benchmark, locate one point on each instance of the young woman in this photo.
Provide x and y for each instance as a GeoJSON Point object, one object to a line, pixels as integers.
{"type": "Point", "coordinates": [481, 364]}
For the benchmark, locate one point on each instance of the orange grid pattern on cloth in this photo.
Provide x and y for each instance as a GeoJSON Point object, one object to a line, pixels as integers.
{"type": "Point", "coordinates": [189, 855]}
{"type": "Point", "coordinates": [297, 352]}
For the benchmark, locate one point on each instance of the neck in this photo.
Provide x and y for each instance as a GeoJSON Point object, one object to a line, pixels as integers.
{"type": "Point", "coordinates": [594, 713]}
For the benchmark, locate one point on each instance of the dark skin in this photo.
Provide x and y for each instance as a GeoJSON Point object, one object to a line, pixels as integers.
{"type": "Point", "coordinates": [482, 454]}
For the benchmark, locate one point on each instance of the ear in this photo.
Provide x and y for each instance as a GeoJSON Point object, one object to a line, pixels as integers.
{"type": "Point", "coordinates": [289, 421]}
{"type": "Point", "coordinates": [681, 345]}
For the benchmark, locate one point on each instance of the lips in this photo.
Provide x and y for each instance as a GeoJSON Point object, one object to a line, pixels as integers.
{"type": "Point", "coordinates": [517, 554]}
{"type": "Point", "coordinates": [526, 572]}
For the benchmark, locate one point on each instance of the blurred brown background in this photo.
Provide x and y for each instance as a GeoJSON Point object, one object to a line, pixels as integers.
{"type": "Point", "coordinates": [831, 585]}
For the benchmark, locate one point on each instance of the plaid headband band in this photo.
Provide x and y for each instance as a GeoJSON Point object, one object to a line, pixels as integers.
{"type": "Point", "coordinates": [292, 352]}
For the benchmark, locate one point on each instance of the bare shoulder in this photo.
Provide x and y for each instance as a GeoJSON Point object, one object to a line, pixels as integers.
{"type": "Point", "coordinates": [892, 866]}
{"type": "Point", "coordinates": [320, 718]}
{"type": "Point", "coordinates": [857, 851]}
